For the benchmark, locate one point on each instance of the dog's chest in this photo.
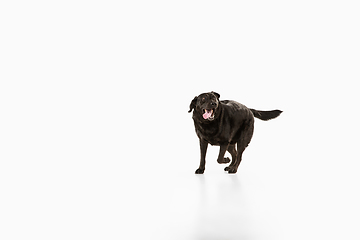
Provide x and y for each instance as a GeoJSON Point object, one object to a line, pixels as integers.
{"type": "Point", "coordinates": [214, 136]}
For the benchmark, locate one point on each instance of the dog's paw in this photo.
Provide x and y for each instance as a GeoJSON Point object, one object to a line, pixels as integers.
{"type": "Point", "coordinates": [224, 160]}
{"type": "Point", "coordinates": [199, 171]}
{"type": "Point", "coordinates": [230, 169]}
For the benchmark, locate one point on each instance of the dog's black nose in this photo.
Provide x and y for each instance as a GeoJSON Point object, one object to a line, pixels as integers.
{"type": "Point", "coordinates": [213, 104]}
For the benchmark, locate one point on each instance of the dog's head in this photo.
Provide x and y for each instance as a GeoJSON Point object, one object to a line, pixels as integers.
{"type": "Point", "coordinates": [206, 105]}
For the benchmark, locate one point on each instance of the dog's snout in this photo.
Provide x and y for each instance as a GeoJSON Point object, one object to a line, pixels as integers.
{"type": "Point", "coordinates": [213, 104]}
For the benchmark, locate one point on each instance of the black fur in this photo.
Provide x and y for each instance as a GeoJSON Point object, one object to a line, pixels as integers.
{"type": "Point", "coordinates": [229, 124]}
{"type": "Point", "coordinates": [265, 115]}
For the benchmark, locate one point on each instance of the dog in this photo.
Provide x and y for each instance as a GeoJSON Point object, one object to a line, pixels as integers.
{"type": "Point", "coordinates": [224, 123]}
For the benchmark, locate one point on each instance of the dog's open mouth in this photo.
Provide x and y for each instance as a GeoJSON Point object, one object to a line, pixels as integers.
{"type": "Point", "coordinates": [208, 114]}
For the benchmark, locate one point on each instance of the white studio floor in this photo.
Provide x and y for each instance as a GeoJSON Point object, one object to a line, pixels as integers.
{"type": "Point", "coordinates": [266, 202]}
{"type": "Point", "coordinates": [106, 194]}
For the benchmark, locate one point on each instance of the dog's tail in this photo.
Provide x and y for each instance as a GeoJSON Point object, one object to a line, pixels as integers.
{"type": "Point", "coordinates": [266, 115]}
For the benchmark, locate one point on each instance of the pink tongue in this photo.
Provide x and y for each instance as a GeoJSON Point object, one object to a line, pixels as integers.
{"type": "Point", "coordinates": [207, 114]}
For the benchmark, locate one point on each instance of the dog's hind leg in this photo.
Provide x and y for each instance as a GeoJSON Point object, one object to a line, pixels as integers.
{"type": "Point", "coordinates": [243, 142]}
{"type": "Point", "coordinates": [231, 149]}
{"type": "Point", "coordinates": [234, 166]}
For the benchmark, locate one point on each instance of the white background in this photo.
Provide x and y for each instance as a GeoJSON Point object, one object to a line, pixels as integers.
{"type": "Point", "coordinates": [96, 141]}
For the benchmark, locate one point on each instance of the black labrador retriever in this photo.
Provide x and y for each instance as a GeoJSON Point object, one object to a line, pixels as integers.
{"type": "Point", "coordinates": [224, 123]}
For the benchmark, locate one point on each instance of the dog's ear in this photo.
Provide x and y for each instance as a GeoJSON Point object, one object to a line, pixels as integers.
{"type": "Point", "coordinates": [216, 94]}
{"type": "Point", "coordinates": [193, 104]}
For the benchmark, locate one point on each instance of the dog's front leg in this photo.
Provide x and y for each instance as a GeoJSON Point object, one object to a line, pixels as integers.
{"type": "Point", "coordinates": [222, 151]}
{"type": "Point", "coordinates": [203, 148]}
